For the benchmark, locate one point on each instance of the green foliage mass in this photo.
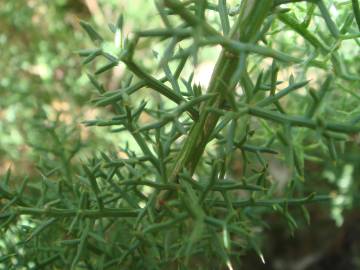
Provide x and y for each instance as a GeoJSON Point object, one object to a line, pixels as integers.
{"type": "Point", "coordinates": [179, 173]}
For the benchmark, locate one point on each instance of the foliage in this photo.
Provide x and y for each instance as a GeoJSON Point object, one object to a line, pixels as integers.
{"type": "Point", "coordinates": [191, 187]}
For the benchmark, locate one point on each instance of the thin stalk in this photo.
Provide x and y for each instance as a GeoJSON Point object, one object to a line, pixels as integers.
{"type": "Point", "coordinates": [92, 214]}
{"type": "Point", "coordinates": [273, 202]}
{"type": "Point", "coordinates": [302, 121]}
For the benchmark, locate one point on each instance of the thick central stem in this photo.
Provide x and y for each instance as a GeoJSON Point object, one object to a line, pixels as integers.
{"type": "Point", "coordinates": [251, 17]}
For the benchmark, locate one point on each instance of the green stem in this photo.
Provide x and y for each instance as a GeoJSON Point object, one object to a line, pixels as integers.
{"type": "Point", "coordinates": [356, 9]}
{"type": "Point", "coordinates": [93, 214]}
{"type": "Point", "coordinates": [271, 203]}
{"type": "Point", "coordinates": [302, 121]}
{"type": "Point", "coordinates": [158, 86]}
{"type": "Point", "coordinates": [251, 17]}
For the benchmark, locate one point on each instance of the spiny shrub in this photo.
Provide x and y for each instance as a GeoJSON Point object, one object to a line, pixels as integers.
{"type": "Point", "coordinates": [172, 198]}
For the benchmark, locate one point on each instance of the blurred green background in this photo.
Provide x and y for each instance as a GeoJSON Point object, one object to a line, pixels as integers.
{"type": "Point", "coordinates": [45, 93]}
{"type": "Point", "coordinates": [42, 82]}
